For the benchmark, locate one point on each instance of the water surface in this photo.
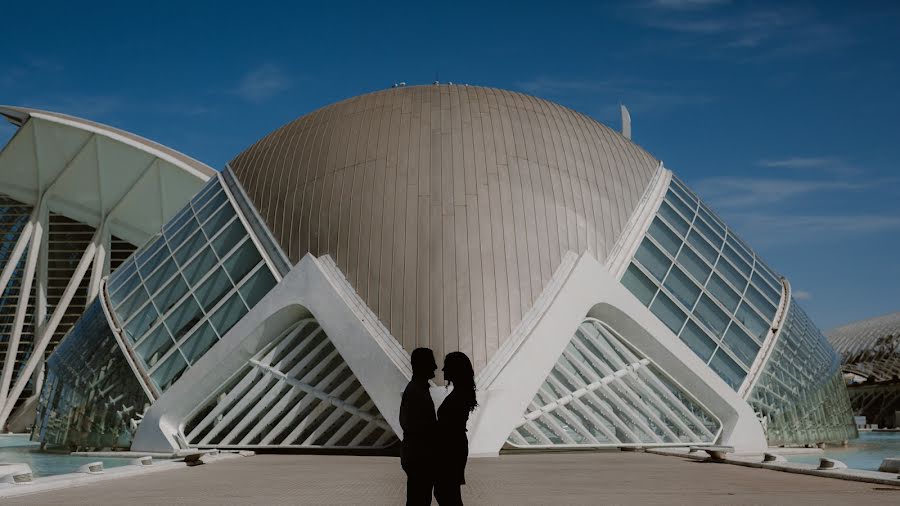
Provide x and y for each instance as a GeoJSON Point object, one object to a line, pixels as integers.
{"type": "Point", "coordinates": [18, 449]}
{"type": "Point", "coordinates": [867, 452]}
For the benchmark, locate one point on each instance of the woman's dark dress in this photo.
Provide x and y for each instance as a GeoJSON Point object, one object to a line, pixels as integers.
{"type": "Point", "coordinates": [453, 444]}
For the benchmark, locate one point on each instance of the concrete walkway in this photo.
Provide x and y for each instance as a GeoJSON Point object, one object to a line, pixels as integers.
{"type": "Point", "coordinates": [574, 478]}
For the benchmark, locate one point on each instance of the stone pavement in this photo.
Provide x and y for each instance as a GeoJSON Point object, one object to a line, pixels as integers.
{"type": "Point", "coordinates": [563, 478]}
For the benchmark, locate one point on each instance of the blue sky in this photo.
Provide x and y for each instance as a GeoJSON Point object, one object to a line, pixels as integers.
{"type": "Point", "coordinates": [783, 117]}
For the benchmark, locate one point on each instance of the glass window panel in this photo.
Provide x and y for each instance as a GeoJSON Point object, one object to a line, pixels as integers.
{"type": "Point", "coordinates": [141, 322]}
{"type": "Point", "coordinates": [739, 247]}
{"type": "Point", "coordinates": [772, 293]}
{"type": "Point", "coordinates": [228, 238]}
{"type": "Point", "coordinates": [769, 275]}
{"type": "Point", "coordinates": [654, 260]}
{"type": "Point", "coordinates": [686, 211]}
{"type": "Point", "coordinates": [176, 223]}
{"type": "Point", "coordinates": [665, 236]}
{"type": "Point", "coordinates": [169, 371]}
{"type": "Point", "coordinates": [741, 345]}
{"type": "Point", "coordinates": [639, 284]}
{"type": "Point", "coordinates": [681, 189]}
{"type": "Point", "coordinates": [132, 303]}
{"type": "Point", "coordinates": [155, 345]}
{"type": "Point", "coordinates": [761, 303]}
{"type": "Point", "coordinates": [709, 313]}
{"type": "Point", "coordinates": [191, 246]}
{"type": "Point", "coordinates": [169, 295]}
{"type": "Point", "coordinates": [728, 369]}
{"type": "Point", "coordinates": [707, 232]}
{"type": "Point", "coordinates": [673, 218]}
{"type": "Point", "coordinates": [262, 281]}
{"type": "Point", "coordinates": [152, 247]}
{"type": "Point", "coordinates": [199, 342]}
{"type": "Point", "coordinates": [182, 235]}
{"type": "Point", "coordinates": [218, 221]}
{"type": "Point", "coordinates": [754, 323]}
{"type": "Point", "coordinates": [125, 289]}
{"type": "Point", "coordinates": [711, 220]}
{"type": "Point", "coordinates": [184, 318]}
{"type": "Point", "coordinates": [199, 266]}
{"type": "Point", "coordinates": [213, 206]}
{"type": "Point", "coordinates": [160, 253]}
{"type": "Point", "coordinates": [693, 264]}
{"type": "Point", "coordinates": [681, 286]}
{"type": "Point", "coordinates": [698, 340]}
{"type": "Point", "coordinates": [668, 312]}
{"type": "Point", "coordinates": [732, 274]}
{"type": "Point", "coordinates": [736, 260]}
{"type": "Point", "coordinates": [161, 275]}
{"type": "Point", "coordinates": [213, 289]}
{"type": "Point", "coordinates": [205, 194]}
{"type": "Point", "coordinates": [120, 276]}
{"type": "Point", "coordinates": [242, 261]}
{"type": "Point", "coordinates": [723, 293]}
{"type": "Point", "coordinates": [228, 314]}
{"type": "Point", "coordinates": [703, 247]}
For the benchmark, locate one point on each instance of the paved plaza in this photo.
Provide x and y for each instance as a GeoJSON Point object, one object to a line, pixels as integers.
{"type": "Point", "coordinates": [570, 478]}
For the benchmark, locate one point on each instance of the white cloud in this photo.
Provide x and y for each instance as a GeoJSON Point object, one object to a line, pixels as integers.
{"type": "Point", "coordinates": [639, 95]}
{"type": "Point", "coordinates": [771, 31]}
{"type": "Point", "coordinates": [830, 165]}
{"type": "Point", "coordinates": [799, 163]}
{"type": "Point", "coordinates": [738, 192]}
{"type": "Point", "coordinates": [262, 83]}
{"type": "Point", "coordinates": [801, 295]}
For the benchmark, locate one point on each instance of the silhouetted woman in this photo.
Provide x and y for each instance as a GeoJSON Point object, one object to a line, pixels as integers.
{"type": "Point", "coordinates": [453, 446]}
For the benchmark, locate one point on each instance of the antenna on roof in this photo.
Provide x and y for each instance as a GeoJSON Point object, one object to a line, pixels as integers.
{"type": "Point", "coordinates": [626, 122]}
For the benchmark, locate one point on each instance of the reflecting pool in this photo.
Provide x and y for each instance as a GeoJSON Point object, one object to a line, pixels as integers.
{"type": "Point", "coordinates": [20, 450]}
{"type": "Point", "coordinates": [867, 452]}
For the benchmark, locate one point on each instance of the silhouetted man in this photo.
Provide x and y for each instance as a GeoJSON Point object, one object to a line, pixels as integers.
{"type": "Point", "coordinates": [419, 423]}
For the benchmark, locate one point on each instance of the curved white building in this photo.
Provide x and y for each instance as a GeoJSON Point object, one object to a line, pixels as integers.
{"type": "Point", "coordinates": [76, 199]}
{"type": "Point", "coordinates": [870, 358]}
{"type": "Point", "coordinates": [602, 303]}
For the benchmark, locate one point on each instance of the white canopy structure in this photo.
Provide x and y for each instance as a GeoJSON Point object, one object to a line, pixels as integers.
{"type": "Point", "coordinates": [76, 198]}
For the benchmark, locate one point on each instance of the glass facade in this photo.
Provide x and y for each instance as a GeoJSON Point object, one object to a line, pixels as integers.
{"type": "Point", "coordinates": [180, 293]}
{"type": "Point", "coordinates": [603, 392]}
{"type": "Point", "coordinates": [705, 284]}
{"type": "Point", "coordinates": [91, 398]}
{"type": "Point", "coordinates": [800, 394]}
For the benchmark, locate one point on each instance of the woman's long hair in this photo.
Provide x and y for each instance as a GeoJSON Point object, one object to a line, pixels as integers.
{"type": "Point", "coordinates": [463, 377]}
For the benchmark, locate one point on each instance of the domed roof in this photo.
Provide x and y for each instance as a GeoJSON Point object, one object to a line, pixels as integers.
{"type": "Point", "coordinates": [447, 207]}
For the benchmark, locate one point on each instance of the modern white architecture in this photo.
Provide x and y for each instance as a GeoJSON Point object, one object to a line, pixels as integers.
{"type": "Point", "coordinates": [602, 303]}
{"type": "Point", "coordinates": [76, 198]}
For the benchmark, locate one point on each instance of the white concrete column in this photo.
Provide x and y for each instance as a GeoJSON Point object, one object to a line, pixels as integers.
{"type": "Point", "coordinates": [100, 264]}
{"type": "Point", "coordinates": [42, 339]}
{"type": "Point", "coordinates": [19, 318]}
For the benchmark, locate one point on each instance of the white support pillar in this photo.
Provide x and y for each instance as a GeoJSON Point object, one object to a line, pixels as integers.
{"type": "Point", "coordinates": [19, 318]}
{"type": "Point", "coordinates": [42, 339]}
{"type": "Point", "coordinates": [40, 312]}
{"type": "Point", "coordinates": [100, 263]}
{"type": "Point", "coordinates": [18, 250]}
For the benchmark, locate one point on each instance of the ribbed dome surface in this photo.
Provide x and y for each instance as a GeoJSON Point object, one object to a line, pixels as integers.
{"type": "Point", "coordinates": [447, 207]}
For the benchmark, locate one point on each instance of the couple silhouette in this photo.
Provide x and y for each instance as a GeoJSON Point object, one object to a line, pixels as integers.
{"type": "Point", "coordinates": [435, 448]}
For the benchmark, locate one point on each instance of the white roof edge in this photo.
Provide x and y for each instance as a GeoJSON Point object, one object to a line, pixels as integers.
{"type": "Point", "coordinates": [19, 115]}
